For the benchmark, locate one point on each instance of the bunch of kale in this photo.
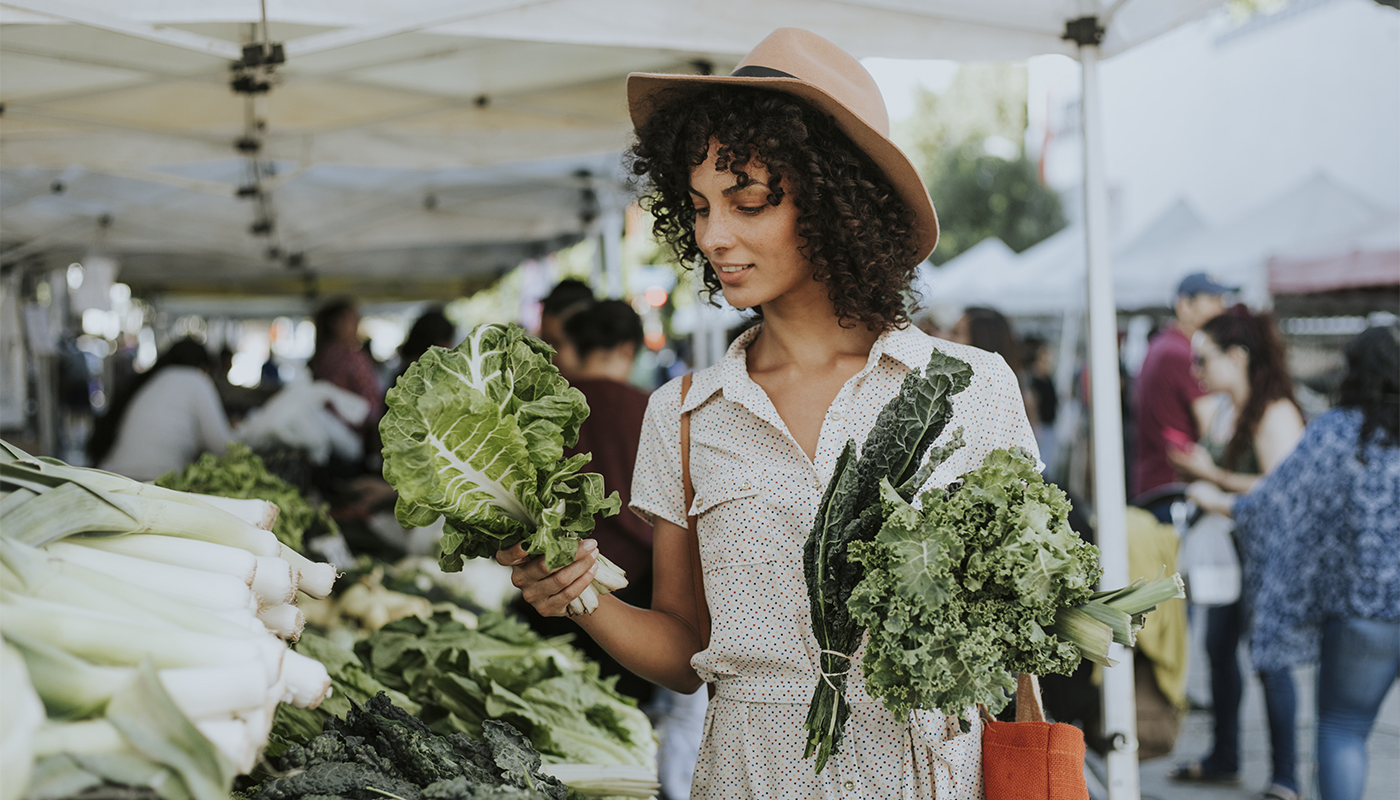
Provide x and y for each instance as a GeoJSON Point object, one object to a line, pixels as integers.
{"type": "Point", "coordinates": [380, 751]}
{"type": "Point", "coordinates": [850, 512]}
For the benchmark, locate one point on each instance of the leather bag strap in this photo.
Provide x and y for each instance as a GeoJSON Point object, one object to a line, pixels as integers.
{"type": "Point", "coordinates": [697, 575]}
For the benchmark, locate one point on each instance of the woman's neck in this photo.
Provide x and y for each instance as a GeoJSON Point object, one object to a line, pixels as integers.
{"type": "Point", "coordinates": [609, 365]}
{"type": "Point", "coordinates": [805, 332]}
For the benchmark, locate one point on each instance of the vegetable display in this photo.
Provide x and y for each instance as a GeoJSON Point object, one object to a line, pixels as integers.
{"type": "Point", "coordinates": [959, 589]}
{"type": "Point", "coordinates": [150, 625]}
{"type": "Point", "coordinates": [240, 473]}
{"type": "Point", "coordinates": [379, 750]}
{"type": "Point", "coordinates": [476, 435]}
{"type": "Point", "coordinates": [457, 679]}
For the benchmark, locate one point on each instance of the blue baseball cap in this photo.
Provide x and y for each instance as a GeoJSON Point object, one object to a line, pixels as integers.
{"type": "Point", "coordinates": [1201, 283]}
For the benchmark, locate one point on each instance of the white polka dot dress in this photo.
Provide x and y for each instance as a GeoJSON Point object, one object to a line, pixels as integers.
{"type": "Point", "coordinates": [756, 495]}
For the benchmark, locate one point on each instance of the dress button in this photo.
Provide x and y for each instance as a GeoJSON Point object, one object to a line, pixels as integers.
{"type": "Point", "coordinates": [849, 785]}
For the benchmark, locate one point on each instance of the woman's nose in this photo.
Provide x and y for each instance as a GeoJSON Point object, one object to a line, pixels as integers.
{"type": "Point", "coordinates": [713, 234]}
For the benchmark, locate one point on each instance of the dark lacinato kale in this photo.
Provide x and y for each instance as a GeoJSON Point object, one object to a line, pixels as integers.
{"type": "Point", "coordinates": [380, 750]}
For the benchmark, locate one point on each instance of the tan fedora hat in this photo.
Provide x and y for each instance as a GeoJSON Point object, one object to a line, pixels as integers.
{"type": "Point", "coordinates": [828, 78]}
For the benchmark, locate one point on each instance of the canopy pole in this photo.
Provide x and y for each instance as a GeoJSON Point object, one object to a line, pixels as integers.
{"type": "Point", "coordinates": [1110, 494]}
{"type": "Point", "coordinates": [610, 231]}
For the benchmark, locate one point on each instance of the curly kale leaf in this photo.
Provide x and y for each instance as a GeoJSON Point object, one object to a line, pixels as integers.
{"type": "Point", "coordinates": [957, 595]}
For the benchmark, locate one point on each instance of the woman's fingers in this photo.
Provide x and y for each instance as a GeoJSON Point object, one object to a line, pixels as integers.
{"type": "Point", "coordinates": [515, 554]}
{"type": "Point", "coordinates": [550, 592]}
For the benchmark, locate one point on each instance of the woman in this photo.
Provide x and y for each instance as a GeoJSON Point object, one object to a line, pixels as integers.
{"type": "Point", "coordinates": [781, 184]}
{"type": "Point", "coordinates": [1324, 532]}
{"type": "Point", "coordinates": [164, 418]}
{"type": "Point", "coordinates": [431, 329]}
{"type": "Point", "coordinates": [1241, 356]}
{"type": "Point", "coordinates": [340, 357]}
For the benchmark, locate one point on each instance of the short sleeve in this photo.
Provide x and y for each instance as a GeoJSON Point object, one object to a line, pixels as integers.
{"type": "Point", "coordinates": [1004, 422]}
{"type": "Point", "coordinates": [657, 491]}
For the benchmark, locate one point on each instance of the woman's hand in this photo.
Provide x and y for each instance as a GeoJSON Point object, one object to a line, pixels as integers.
{"type": "Point", "coordinates": [1211, 498]}
{"type": "Point", "coordinates": [550, 592]}
{"type": "Point", "coordinates": [1195, 462]}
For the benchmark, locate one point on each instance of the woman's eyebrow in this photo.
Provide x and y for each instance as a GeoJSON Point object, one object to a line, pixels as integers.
{"type": "Point", "coordinates": [731, 190]}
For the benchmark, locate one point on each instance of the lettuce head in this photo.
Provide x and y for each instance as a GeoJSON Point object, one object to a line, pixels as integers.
{"type": "Point", "coordinates": [476, 435]}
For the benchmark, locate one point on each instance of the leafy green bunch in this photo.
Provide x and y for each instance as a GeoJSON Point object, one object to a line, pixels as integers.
{"type": "Point", "coordinates": [476, 435]}
{"type": "Point", "coordinates": [959, 595]}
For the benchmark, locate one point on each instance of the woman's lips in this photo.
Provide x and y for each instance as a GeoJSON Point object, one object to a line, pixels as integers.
{"type": "Point", "coordinates": [732, 273]}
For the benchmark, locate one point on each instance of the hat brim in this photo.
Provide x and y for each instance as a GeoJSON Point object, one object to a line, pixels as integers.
{"type": "Point", "coordinates": [644, 92]}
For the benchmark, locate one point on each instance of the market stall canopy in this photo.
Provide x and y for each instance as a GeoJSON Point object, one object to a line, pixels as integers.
{"type": "Point", "coordinates": [401, 146]}
{"type": "Point", "coordinates": [1048, 277]}
{"type": "Point", "coordinates": [1363, 257]}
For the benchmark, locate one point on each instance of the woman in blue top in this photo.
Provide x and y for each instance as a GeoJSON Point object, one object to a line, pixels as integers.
{"type": "Point", "coordinates": [1323, 534]}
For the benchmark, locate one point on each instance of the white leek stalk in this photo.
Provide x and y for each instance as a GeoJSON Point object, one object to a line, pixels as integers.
{"type": "Point", "coordinates": [313, 577]}
{"type": "Point", "coordinates": [197, 587]}
{"type": "Point", "coordinates": [285, 620]}
{"type": "Point", "coordinates": [274, 582]}
{"type": "Point", "coordinates": [261, 514]}
{"type": "Point", "coordinates": [21, 716]}
{"type": "Point", "coordinates": [108, 639]}
{"type": "Point", "coordinates": [308, 683]}
{"type": "Point", "coordinates": [233, 739]}
{"type": "Point", "coordinates": [190, 553]}
{"type": "Point", "coordinates": [72, 688]}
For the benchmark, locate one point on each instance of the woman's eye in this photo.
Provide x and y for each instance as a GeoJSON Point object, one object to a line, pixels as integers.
{"type": "Point", "coordinates": [702, 212]}
{"type": "Point", "coordinates": [751, 211]}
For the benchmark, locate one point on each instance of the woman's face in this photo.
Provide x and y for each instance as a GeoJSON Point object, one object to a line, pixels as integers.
{"type": "Point", "coordinates": [347, 327]}
{"type": "Point", "coordinates": [1220, 370]}
{"type": "Point", "coordinates": [751, 245]}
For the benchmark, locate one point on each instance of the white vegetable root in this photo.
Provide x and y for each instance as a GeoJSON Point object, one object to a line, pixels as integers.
{"type": "Point", "coordinates": [285, 620]}
{"type": "Point", "coordinates": [274, 582]}
{"type": "Point", "coordinates": [610, 578]}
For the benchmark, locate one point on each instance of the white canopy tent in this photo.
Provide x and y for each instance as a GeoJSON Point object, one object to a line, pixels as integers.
{"type": "Point", "coordinates": [141, 93]}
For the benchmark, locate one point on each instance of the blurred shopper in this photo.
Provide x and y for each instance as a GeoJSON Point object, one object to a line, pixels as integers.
{"type": "Point", "coordinates": [1041, 386]}
{"type": "Point", "coordinates": [606, 338]}
{"type": "Point", "coordinates": [431, 329]}
{"type": "Point", "coordinates": [568, 297]}
{"type": "Point", "coordinates": [1321, 539]}
{"type": "Point", "coordinates": [1241, 355]}
{"type": "Point", "coordinates": [340, 357]}
{"type": "Point", "coordinates": [164, 418]}
{"type": "Point", "coordinates": [990, 330]}
{"type": "Point", "coordinates": [1168, 400]}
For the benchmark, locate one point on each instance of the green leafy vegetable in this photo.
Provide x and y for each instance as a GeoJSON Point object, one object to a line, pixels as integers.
{"type": "Point", "coordinates": [476, 435]}
{"type": "Point", "coordinates": [379, 750]}
{"type": "Point", "coordinates": [241, 473]}
{"type": "Point", "coordinates": [958, 595]}
{"type": "Point", "coordinates": [894, 452]}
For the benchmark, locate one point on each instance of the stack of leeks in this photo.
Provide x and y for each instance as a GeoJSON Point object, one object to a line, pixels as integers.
{"type": "Point", "coordinates": [150, 624]}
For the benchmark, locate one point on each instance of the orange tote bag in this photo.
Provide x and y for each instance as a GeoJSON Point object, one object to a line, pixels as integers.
{"type": "Point", "coordinates": [1031, 759]}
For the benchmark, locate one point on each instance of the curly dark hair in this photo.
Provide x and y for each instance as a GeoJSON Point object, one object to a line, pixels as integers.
{"type": "Point", "coordinates": [1372, 384]}
{"type": "Point", "coordinates": [1268, 371]}
{"type": "Point", "coordinates": [856, 231]}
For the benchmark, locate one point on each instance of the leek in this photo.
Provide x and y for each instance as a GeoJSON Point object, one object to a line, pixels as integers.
{"type": "Point", "coordinates": [606, 780]}
{"type": "Point", "coordinates": [21, 715]}
{"type": "Point", "coordinates": [73, 689]}
{"type": "Point", "coordinates": [315, 578]}
{"type": "Point", "coordinates": [285, 620]}
{"type": "Point", "coordinates": [204, 589]}
{"type": "Point", "coordinates": [274, 581]}
{"type": "Point", "coordinates": [191, 553]}
{"type": "Point", "coordinates": [261, 514]}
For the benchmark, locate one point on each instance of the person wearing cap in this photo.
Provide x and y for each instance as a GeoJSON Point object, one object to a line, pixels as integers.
{"type": "Point", "coordinates": [1168, 400]}
{"type": "Point", "coordinates": [780, 184]}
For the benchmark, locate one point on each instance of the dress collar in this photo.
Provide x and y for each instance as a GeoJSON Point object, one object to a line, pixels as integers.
{"type": "Point", "coordinates": [908, 346]}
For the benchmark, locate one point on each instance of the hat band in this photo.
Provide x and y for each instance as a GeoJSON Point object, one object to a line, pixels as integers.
{"type": "Point", "coordinates": [759, 72]}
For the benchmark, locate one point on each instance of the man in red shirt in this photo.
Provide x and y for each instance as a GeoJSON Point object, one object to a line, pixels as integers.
{"type": "Point", "coordinates": [1168, 401]}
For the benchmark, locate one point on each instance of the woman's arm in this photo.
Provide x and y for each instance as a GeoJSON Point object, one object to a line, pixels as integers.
{"type": "Point", "coordinates": [1278, 433]}
{"type": "Point", "coordinates": [1198, 464]}
{"type": "Point", "coordinates": [655, 643]}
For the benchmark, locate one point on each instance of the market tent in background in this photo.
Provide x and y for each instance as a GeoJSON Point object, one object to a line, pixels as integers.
{"type": "Point", "coordinates": [443, 140]}
{"type": "Point", "coordinates": [1362, 257]}
{"type": "Point", "coordinates": [1048, 278]}
{"type": "Point", "coordinates": [1238, 251]}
